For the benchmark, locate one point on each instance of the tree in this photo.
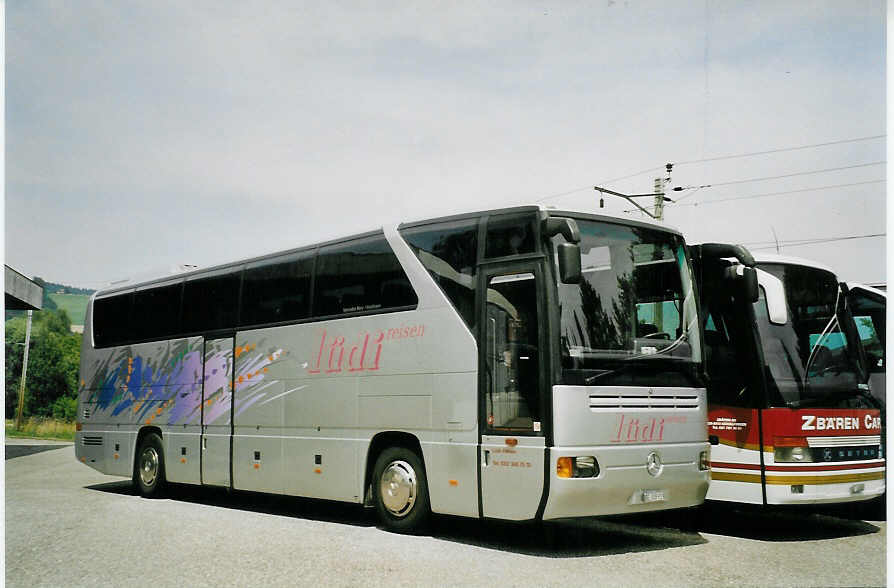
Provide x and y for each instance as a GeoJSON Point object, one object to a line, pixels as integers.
{"type": "Point", "coordinates": [53, 364]}
{"type": "Point", "coordinates": [48, 303]}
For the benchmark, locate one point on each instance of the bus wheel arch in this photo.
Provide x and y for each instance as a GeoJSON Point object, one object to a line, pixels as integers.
{"type": "Point", "coordinates": [396, 481]}
{"type": "Point", "coordinates": [149, 463]}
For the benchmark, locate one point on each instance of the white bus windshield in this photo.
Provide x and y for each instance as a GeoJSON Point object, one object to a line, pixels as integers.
{"type": "Point", "coordinates": [634, 302]}
{"type": "Point", "coordinates": [809, 359]}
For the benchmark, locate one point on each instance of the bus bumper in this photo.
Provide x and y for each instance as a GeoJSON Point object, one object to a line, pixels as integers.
{"type": "Point", "coordinates": [852, 491]}
{"type": "Point", "coordinates": [624, 484]}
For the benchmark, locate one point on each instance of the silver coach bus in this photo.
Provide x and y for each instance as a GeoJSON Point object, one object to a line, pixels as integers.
{"type": "Point", "coordinates": [513, 364]}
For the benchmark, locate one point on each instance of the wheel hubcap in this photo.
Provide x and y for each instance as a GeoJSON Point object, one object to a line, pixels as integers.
{"type": "Point", "coordinates": [149, 466]}
{"type": "Point", "coordinates": [398, 488]}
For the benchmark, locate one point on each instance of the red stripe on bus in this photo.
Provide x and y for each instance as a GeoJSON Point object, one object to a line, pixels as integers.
{"type": "Point", "coordinates": [798, 468]}
{"type": "Point", "coordinates": [821, 468]}
{"type": "Point", "coordinates": [738, 466]}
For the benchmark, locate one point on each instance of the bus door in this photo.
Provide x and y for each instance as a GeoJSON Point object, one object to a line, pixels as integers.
{"type": "Point", "coordinates": [217, 404]}
{"type": "Point", "coordinates": [512, 450]}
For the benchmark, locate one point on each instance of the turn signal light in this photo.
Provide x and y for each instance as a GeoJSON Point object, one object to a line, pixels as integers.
{"type": "Point", "coordinates": [790, 441]}
{"type": "Point", "coordinates": [78, 426]}
{"type": "Point", "coordinates": [563, 467]}
{"type": "Point", "coordinates": [582, 466]}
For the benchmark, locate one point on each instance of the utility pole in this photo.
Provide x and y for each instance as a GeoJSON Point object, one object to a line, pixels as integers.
{"type": "Point", "coordinates": [659, 199]}
{"type": "Point", "coordinates": [660, 190]}
{"type": "Point", "coordinates": [24, 373]}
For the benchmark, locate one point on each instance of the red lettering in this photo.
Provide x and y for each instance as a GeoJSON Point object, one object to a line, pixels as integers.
{"type": "Point", "coordinates": [620, 428]}
{"type": "Point", "coordinates": [632, 429]}
{"type": "Point", "coordinates": [316, 368]}
{"type": "Point", "coordinates": [338, 343]}
{"type": "Point", "coordinates": [359, 366]}
{"type": "Point", "coordinates": [378, 343]}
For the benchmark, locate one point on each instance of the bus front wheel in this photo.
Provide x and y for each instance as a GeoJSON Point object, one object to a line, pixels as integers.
{"type": "Point", "coordinates": [400, 490]}
{"type": "Point", "coordinates": [149, 469]}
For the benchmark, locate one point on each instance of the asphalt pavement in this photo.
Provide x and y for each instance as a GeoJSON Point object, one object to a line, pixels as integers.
{"type": "Point", "coordinates": [68, 525]}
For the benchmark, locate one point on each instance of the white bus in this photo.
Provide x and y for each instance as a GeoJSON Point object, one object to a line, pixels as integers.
{"type": "Point", "coordinates": [789, 403]}
{"type": "Point", "coordinates": [463, 365]}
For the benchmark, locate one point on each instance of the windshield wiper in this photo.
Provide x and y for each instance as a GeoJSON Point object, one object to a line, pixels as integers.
{"type": "Point", "coordinates": [602, 374]}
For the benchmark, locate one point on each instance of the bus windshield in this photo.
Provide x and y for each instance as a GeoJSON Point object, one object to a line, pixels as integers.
{"type": "Point", "coordinates": [810, 359]}
{"type": "Point", "coordinates": [634, 305]}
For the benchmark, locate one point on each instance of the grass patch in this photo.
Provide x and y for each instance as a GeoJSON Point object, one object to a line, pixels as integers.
{"type": "Point", "coordinates": [41, 428]}
{"type": "Point", "coordinates": [74, 304]}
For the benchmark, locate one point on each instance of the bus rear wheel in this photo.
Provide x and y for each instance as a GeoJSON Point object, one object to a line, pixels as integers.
{"type": "Point", "coordinates": [149, 469]}
{"type": "Point", "coordinates": [400, 490]}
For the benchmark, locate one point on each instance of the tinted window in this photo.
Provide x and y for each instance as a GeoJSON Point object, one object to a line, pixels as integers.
{"type": "Point", "coordinates": [510, 235]}
{"type": "Point", "coordinates": [512, 397]}
{"type": "Point", "coordinates": [360, 276]}
{"type": "Point", "coordinates": [111, 324]}
{"type": "Point", "coordinates": [209, 303]}
{"type": "Point", "coordinates": [156, 312]}
{"type": "Point", "coordinates": [449, 252]}
{"type": "Point", "coordinates": [277, 289]}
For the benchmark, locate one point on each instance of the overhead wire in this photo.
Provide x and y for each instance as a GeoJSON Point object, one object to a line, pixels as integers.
{"type": "Point", "coordinates": [780, 193]}
{"type": "Point", "coordinates": [800, 242]}
{"type": "Point", "coordinates": [734, 156]}
{"type": "Point", "coordinates": [781, 150]}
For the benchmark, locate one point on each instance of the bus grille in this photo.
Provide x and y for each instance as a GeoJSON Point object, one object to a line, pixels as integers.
{"type": "Point", "coordinates": [86, 412]}
{"type": "Point", "coordinates": [844, 441]}
{"type": "Point", "coordinates": [663, 401]}
{"type": "Point", "coordinates": [91, 440]}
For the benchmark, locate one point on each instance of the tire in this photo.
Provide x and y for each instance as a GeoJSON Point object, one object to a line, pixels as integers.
{"type": "Point", "coordinates": [149, 467]}
{"type": "Point", "coordinates": [400, 490]}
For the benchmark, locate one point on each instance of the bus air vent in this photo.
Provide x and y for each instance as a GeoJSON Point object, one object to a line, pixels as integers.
{"type": "Point", "coordinates": [658, 401]}
{"type": "Point", "coordinates": [91, 440]}
{"type": "Point", "coordinates": [86, 412]}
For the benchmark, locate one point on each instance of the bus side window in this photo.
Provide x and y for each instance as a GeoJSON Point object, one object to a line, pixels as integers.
{"type": "Point", "coordinates": [210, 302]}
{"type": "Point", "coordinates": [510, 234]}
{"type": "Point", "coordinates": [449, 252]}
{"type": "Point", "coordinates": [727, 384]}
{"type": "Point", "coordinates": [512, 395]}
{"type": "Point", "coordinates": [111, 319]}
{"type": "Point", "coordinates": [156, 312]}
{"type": "Point", "coordinates": [361, 275]}
{"type": "Point", "coordinates": [872, 344]}
{"type": "Point", "coordinates": [277, 289]}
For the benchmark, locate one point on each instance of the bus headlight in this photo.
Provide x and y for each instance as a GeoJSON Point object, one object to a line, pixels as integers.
{"type": "Point", "coordinates": [584, 466]}
{"type": "Point", "coordinates": [704, 460]}
{"type": "Point", "coordinates": [792, 455]}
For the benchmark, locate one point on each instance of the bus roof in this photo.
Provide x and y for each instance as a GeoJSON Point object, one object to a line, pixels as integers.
{"type": "Point", "coordinates": [182, 271]}
{"type": "Point", "coordinates": [789, 260]}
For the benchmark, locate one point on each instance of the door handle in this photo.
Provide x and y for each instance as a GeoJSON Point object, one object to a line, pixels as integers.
{"type": "Point", "coordinates": [486, 457]}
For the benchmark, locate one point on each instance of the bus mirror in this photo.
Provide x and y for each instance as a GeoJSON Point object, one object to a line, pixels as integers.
{"type": "Point", "coordinates": [774, 293]}
{"type": "Point", "coordinates": [569, 263]}
{"type": "Point", "coordinates": [749, 284]}
{"type": "Point", "coordinates": [567, 227]}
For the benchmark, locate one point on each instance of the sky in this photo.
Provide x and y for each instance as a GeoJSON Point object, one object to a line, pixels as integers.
{"type": "Point", "coordinates": [142, 135]}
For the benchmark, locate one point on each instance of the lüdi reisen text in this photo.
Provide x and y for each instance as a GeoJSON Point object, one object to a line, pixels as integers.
{"type": "Point", "coordinates": [362, 353]}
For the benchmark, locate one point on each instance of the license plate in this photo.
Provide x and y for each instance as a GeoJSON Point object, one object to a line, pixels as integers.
{"type": "Point", "coordinates": [858, 488]}
{"type": "Point", "coordinates": [653, 496]}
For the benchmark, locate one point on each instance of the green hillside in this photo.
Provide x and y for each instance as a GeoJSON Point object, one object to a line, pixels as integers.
{"type": "Point", "coordinates": [73, 304]}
